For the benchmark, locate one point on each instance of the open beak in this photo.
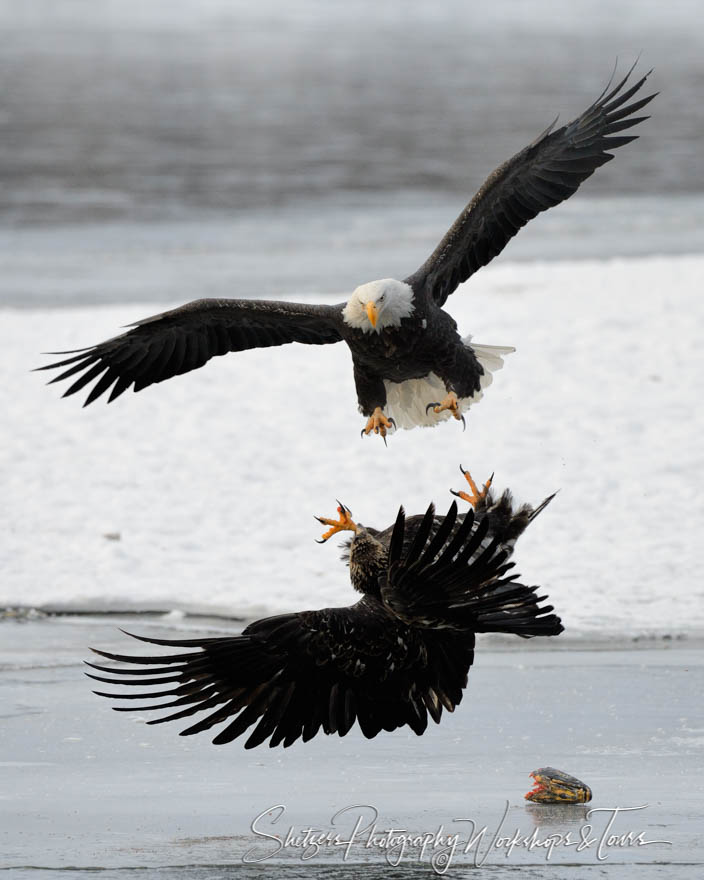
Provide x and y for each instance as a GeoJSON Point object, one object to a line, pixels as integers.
{"type": "Point", "coordinates": [372, 314]}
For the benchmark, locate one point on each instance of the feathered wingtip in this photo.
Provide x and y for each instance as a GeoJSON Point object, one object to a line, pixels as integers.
{"type": "Point", "coordinates": [608, 115]}
{"type": "Point", "coordinates": [197, 681]}
{"type": "Point", "coordinates": [541, 507]}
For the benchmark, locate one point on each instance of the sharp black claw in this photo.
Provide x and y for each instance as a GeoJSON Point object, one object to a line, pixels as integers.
{"type": "Point", "coordinates": [437, 403]}
{"type": "Point", "coordinates": [464, 424]}
{"type": "Point", "coordinates": [462, 470]}
{"type": "Point", "coordinates": [393, 423]}
{"type": "Point", "coordinates": [452, 492]}
{"type": "Point", "coordinates": [320, 540]}
{"type": "Point", "coordinates": [361, 433]}
{"type": "Point", "coordinates": [383, 437]}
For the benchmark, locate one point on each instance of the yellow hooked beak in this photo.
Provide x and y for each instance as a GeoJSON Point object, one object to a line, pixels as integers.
{"type": "Point", "coordinates": [372, 313]}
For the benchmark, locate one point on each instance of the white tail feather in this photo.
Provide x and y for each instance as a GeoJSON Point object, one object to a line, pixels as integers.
{"type": "Point", "coordinates": [406, 401]}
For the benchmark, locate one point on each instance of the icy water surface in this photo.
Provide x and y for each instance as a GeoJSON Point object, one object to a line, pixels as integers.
{"type": "Point", "coordinates": [165, 110]}
{"type": "Point", "coordinates": [165, 151]}
{"type": "Point", "coordinates": [85, 789]}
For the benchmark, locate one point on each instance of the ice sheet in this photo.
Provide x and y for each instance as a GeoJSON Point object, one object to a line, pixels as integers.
{"type": "Point", "coordinates": [211, 480]}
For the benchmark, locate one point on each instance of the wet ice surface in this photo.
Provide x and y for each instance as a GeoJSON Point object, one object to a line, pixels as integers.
{"type": "Point", "coordinates": [199, 494]}
{"type": "Point", "coordinates": [322, 246]}
{"type": "Point", "coordinates": [84, 786]}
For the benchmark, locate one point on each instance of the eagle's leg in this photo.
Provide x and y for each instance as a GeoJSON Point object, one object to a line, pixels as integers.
{"type": "Point", "coordinates": [343, 524]}
{"type": "Point", "coordinates": [378, 423]}
{"type": "Point", "coordinates": [476, 495]}
{"type": "Point", "coordinates": [449, 403]}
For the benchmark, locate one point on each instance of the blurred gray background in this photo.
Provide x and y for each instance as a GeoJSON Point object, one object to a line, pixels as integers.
{"type": "Point", "coordinates": [178, 148]}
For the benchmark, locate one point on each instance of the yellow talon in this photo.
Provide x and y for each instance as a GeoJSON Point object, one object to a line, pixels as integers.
{"type": "Point", "coordinates": [450, 403]}
{"type": "Point", "coordinates": [378, 423]}
{"type": "Point", "coordinates": [476, 495]}
{"type": "Point", "coordinates": [345, 523]}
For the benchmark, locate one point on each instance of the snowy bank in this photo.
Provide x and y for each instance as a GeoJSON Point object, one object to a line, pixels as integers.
{"type": "Point", "coordinates": [200, 493]}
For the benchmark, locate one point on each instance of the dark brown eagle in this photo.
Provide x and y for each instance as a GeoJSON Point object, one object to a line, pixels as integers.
{"type": "Point", "coordinates": [401, 654]}
{"type": "Point", "coordinates": [411, 366]}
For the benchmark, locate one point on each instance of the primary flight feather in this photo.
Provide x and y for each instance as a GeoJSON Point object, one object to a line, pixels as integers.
{"type": "Point", "coordinates": [411, 366]}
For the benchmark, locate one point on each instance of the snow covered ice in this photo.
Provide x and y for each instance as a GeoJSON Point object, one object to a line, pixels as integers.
{"type": "Point", "coordinates": [199, 494]}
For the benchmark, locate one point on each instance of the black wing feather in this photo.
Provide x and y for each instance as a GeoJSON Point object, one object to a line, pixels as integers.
{"type": "Point", "coordinates": [289, 676]}
{"type": "Point", "coordinates": [185, 338]}
{"type": "Point", "coordinates": [383, 663]}
{"type": "Point", "coordinates": [461, 583]}
{"type": "Point", "coordinates": [543, 174]}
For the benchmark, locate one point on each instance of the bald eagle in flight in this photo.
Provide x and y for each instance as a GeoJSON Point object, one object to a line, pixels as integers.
{"type": "Point", "coordinates": [411, 366]}
{"type": "Point", "coordinates": [399, 655]}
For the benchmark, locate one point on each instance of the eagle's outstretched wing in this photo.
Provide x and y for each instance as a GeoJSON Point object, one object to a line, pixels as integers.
{"type": "Point", "coordinates": [295, 674]}
{"type": "Point", "coordinates": [541, 175]}
{"type": "Point", "coordinates": [383, 662]}
{"type": "Point", "coordinates": [185, 338]}
{"type": "Point", "coordinates": [454, 574]}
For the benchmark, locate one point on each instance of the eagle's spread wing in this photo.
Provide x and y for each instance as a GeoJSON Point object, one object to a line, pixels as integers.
{"type": "Point", "coordinates": [543, 174]}
{"type": "Point", "coordinates": [185, 338]}
{"type": "Point", "coordinates": [454, 574]}
{"type": "Point", "coordinates": [294, 674]}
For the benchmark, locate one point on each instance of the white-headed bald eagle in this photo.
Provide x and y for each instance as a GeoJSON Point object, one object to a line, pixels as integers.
{"type": "Point", "coordinates": [411, 366]}
{"type": "Point", "coordinates": [397, 657]}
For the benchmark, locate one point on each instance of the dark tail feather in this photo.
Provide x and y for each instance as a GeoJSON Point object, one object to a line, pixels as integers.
{"type": "Point", "coordinates": [514, 608]}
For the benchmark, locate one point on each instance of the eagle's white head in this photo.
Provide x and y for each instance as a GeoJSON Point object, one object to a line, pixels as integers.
{"type": "Point", "coordinates": [379, 304]}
